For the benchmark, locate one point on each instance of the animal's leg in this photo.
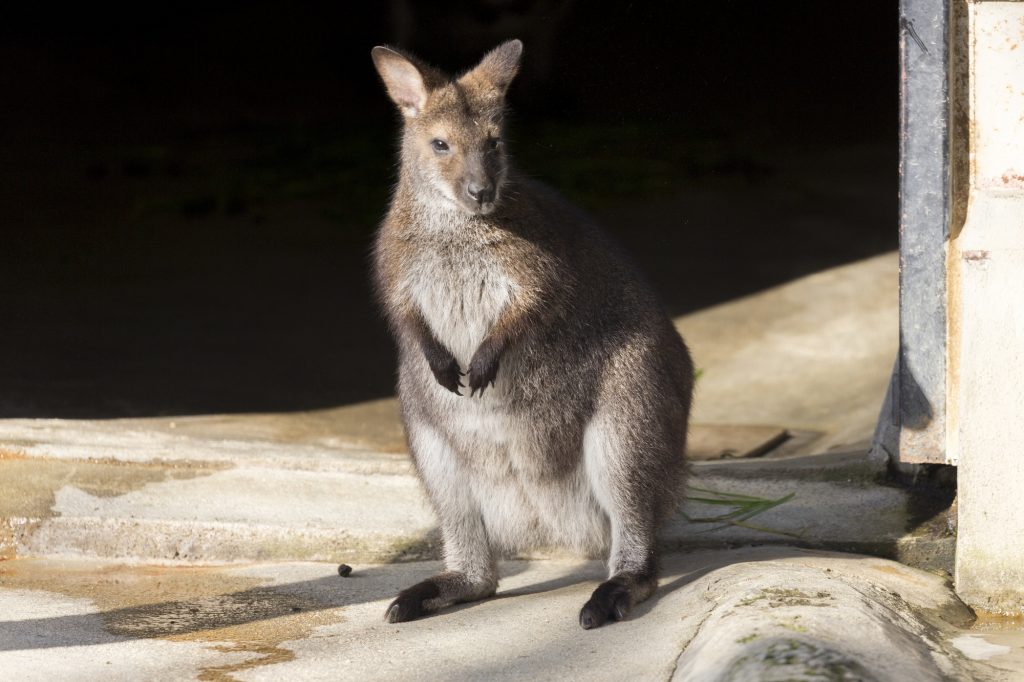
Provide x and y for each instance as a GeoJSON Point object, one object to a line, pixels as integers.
{"type": "Point", "coordinates": [633, 574]}
{"type": "Point", "coordinates": [633, 479]}
{"type": "Point", "coordinates": [470, 567]}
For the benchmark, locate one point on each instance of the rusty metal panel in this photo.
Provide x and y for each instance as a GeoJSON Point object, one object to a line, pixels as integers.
{"type": "Point", "coordinates": [920, 380]}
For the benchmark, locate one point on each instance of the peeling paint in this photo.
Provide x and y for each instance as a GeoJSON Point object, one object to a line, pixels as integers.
{"type": "Point", "coordinates": [1013, 179]}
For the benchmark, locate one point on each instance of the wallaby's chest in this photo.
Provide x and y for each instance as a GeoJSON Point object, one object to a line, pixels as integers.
{"type": "Point", "coordinates": [460, 291]}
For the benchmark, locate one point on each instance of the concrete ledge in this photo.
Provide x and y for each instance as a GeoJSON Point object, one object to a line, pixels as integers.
{"type": "Point", "coordinates": [210, 542]}
{"type": "Point", "coordinates": [196, 512]}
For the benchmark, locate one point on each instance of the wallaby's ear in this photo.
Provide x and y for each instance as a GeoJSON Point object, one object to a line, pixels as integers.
{"type": "Point", "coordinates": [495, 72]}
{"type": "Point", "coordinates": [403, 80]}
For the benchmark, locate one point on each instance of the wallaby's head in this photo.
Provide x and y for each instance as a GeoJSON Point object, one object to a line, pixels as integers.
{"type": "Point", "coordinates": [453, 127]}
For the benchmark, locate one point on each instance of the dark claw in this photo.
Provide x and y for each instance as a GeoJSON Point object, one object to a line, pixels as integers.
{"type": "Point", "coordinates": [409, 603]}
{"type": "Point", "coordinates": [610, 601]}
{"type": "Point", "coordinates": [483, 370]}
{"type": "Point", "coordinates": [447, 373]}
{"type": "Point", "coordinates": [405, 608]}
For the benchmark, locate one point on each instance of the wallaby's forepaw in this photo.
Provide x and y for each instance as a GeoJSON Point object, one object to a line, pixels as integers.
{"type": "Point", "coordinates": [483, 369]}
{"type": "Point", "coordinates": [611, 600]}
{"type": "Point", "coordinates": [409, 605]}
{"type": "Point", "coordinates": [447, 373]}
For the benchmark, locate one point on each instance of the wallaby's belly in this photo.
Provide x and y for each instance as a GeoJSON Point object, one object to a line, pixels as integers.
{"type": "Point", "coordinates": [523, 514]}
{"type": "Point", "coordinates": [523, 506]}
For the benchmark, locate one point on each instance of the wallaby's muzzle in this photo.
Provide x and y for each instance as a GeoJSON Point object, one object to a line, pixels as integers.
{"type": "Point", "coordinates": [479, 186]}
{"type": "Point", "coordinates": [483, 193]}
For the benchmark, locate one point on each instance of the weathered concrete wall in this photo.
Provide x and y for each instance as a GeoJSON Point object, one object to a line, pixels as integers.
{"type": "Point", "coordinates": [990, 395]}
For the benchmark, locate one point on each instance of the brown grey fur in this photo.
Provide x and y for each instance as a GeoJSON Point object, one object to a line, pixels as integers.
{"type": "Point", "coordinates": [544, 390]}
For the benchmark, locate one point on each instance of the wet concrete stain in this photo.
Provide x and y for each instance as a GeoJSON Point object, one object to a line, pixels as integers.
{"type": "Point", "coordinates": [30, 484]}
{"type": "Point", "coordinates": [1002, 631]}
{"type": "Point", "coordinates": [267, 655]}
{"type": "Point", "coordinates": [233, 614]}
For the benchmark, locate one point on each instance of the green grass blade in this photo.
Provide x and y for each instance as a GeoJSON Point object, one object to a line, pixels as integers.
{"type": "Point", "coordinates": [745, 507]}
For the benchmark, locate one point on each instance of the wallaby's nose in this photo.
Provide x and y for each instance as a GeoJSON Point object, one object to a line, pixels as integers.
{"type": "Point", "coordinates": [482, 193]}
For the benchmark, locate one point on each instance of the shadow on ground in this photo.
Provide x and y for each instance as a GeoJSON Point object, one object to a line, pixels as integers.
{"type": "Point", "coordinates": [211, 605]}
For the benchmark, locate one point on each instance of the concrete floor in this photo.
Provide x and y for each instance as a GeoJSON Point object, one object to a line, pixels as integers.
{"type": "Point", "coordinates": [756, 613]}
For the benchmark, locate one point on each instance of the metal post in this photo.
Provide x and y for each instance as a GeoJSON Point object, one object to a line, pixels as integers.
{"type": "Point", "coordinates": [920, 378]}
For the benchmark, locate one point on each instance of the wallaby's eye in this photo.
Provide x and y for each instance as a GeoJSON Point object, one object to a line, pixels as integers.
{"type": "Point", "coordinates": [439, 145]}
{"type": "Point", "coordinates": [493, 143]}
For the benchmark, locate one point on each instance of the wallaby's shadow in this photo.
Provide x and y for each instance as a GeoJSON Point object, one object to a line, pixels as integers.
{"type": "Point", "coordinates": [592, 570]}
{"type": "Point", "coordinates": [680, 569]}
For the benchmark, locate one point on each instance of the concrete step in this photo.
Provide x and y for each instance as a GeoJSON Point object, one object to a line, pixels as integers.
{"type": "Point", "coordinates": [301, 502]}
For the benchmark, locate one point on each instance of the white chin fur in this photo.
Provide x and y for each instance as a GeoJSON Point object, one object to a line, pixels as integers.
{"type": "Point", "coordinates": [474, 209]}
{"type": "Point", "coordinates": [477, 209]}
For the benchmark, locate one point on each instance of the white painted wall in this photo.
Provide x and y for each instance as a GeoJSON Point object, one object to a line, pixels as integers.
{"type": "Point", "coordinates": [990, 250]}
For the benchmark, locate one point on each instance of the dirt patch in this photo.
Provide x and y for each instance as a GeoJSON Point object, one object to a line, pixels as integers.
{"type": "Point", "coordinates": [793, 659]}
{"type": "Point", "coordinates": [777, 597]}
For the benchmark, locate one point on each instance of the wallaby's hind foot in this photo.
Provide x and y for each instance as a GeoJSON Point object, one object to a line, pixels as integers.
{"type": "Point", "coordinates": [435, 593]}
{"type": "Point", "coordinates": [615, 598]}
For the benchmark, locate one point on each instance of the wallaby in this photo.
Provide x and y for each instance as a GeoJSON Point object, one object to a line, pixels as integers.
{"type": "Point", "coordinates": [572, 427]}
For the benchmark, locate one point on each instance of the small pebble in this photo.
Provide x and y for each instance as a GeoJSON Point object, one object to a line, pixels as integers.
{"type": "Point", "coordinates": [344, 570]}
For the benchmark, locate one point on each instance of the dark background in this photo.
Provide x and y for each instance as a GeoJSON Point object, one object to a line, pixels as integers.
{"type": "Point", "coordinates": [188, 190]}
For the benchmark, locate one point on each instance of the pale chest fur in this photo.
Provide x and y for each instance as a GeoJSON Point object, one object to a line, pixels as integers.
{"type": "Point", "coordinates": [460, 290]}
